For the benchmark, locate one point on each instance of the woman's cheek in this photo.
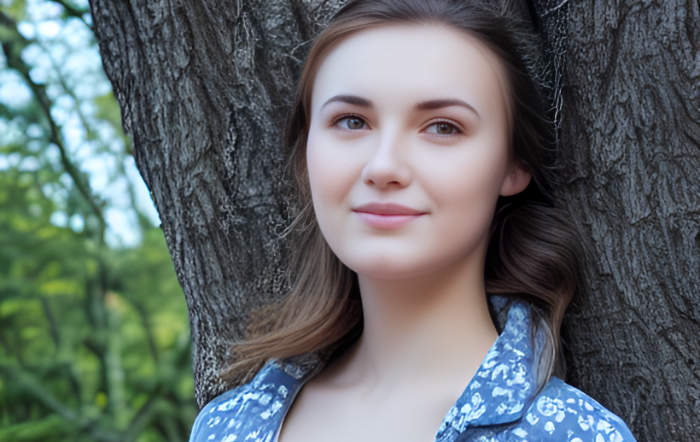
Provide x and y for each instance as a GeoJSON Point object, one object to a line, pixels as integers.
{"type": "Point", "coordinates": [465, 195]}
{"type": "Point", "coordinates": [331, 177]}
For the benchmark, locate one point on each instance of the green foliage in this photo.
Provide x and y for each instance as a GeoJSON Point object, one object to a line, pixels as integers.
{"type": "Point", "coordinates": [94, 341]}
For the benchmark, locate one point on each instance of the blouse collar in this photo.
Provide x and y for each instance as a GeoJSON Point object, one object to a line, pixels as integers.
{"type": "Point", "coordinates": [506, 382]}
{"type": "Point", "coordinates": [503, 386]}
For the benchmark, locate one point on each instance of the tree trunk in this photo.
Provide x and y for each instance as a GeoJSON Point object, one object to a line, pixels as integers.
{"type": "Point", "coordinates": [631, 182]}
{"type": "Point", "coordinates": [204, 87]}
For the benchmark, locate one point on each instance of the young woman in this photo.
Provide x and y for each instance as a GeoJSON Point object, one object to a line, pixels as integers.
{"type": "Point", "coordinates": [423, 158]}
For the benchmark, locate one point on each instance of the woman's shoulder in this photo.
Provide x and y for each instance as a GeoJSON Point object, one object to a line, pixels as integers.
{"type": "Point", "coordinates": [561, 412]}
{"type": "Point", "coordinates": [251, 408]}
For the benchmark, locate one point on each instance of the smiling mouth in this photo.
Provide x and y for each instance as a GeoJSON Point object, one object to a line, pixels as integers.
{"type": "Point", "coordinates": [387, 209]}
{"type": "Point", "coordinates": [387, 215]}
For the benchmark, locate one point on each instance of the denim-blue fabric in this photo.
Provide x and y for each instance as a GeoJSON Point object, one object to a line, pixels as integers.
{"type": "Point", "coordinates": [501, 403]}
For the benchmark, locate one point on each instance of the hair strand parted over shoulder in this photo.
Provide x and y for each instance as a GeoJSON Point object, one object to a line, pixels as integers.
{"type": "Point", "coordinates": [531, 254]}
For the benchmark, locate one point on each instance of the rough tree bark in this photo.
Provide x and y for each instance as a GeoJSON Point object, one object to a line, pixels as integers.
{"type": "Point", "coordinates": [204, 86]}
{"type": "Point", "coordinates": [631, 157]}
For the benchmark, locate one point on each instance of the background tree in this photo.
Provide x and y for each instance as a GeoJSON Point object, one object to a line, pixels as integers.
{"type": "Point", "coordinates": [204, 87]}
{"type": "Point", "coordinates": [631, 173]}
{"type": "Point", "coordinates": [94, 343]}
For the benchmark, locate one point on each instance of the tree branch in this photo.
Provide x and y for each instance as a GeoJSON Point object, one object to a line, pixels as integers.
{"type": "Point", "coordinates": [53, 325]}
{"type": "Point", "coordinates": [12, 47]}
{"type": "Point", "coordinates": [34, 388]}
{"type": "Point", "coordinates": [72, 11]}
{"type": "Point", "coordinates": [146, 323]}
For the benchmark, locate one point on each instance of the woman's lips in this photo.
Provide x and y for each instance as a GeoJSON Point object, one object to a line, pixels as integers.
{"type": "Point", "coordinates": [387, 215]}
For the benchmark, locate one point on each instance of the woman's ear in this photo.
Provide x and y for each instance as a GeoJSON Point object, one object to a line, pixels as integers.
{"type": "Point", "coordinates": [516, 181]}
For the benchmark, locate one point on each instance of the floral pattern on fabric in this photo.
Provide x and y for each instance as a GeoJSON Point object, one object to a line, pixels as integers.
{"type": "Point", "coordinates": [501, 403]}
{"type": "Point", "coordinates": [504, 383]}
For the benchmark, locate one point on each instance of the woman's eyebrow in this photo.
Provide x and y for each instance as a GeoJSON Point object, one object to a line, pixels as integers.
{"type": "Point", "coordinates": [422, 106]}
{"type": "Point", "coordinates": [437, 104]}
{"type": "Point", "coordinates": [350, 99]}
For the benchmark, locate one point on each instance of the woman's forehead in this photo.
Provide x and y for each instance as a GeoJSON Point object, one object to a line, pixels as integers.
{"type": "Point", "coordinates": [419, 62]}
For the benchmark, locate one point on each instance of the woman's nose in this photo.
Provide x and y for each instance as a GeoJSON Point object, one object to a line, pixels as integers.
{"type": "Point", "coordinates": [388, 164]}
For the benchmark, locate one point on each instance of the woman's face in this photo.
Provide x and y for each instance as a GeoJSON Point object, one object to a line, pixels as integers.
{"type": "Point", "coordinates": [408, 150]}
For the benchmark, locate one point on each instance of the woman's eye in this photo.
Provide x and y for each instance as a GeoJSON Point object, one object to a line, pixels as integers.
{"type": "Point", "coordinates": [351, 123]}
{"type": "Point", "coordinates": [442, 128]}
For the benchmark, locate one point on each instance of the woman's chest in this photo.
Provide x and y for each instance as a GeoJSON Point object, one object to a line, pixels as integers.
{"type": "Point", "coordinates": [406, 417]}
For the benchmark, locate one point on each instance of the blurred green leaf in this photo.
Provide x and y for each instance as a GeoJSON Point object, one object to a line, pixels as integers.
{"type": "Point", "coordinates": [16, 9]}
{"type": "Point", "coordinates": [51, 428]}
{"type": "Point", "coordinates": [108, 109]}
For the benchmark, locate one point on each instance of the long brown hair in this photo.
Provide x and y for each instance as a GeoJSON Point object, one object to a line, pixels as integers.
{"type": "Point", "coordinates": [531, 255]}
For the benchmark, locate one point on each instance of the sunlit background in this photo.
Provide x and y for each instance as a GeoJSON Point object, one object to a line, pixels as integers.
{"type": "Point", "coordinates": [94, 341]}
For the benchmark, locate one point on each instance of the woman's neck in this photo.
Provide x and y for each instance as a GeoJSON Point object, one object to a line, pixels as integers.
{"type": "Point", "coordinates": [428, 331]}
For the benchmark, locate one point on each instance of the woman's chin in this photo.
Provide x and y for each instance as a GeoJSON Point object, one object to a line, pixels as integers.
{"type": "Point", "coordinates": [389, 269]}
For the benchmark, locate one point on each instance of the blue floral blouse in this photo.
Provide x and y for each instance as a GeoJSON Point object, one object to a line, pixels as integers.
{"type": "Point", "coordinates": [501, 403]}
